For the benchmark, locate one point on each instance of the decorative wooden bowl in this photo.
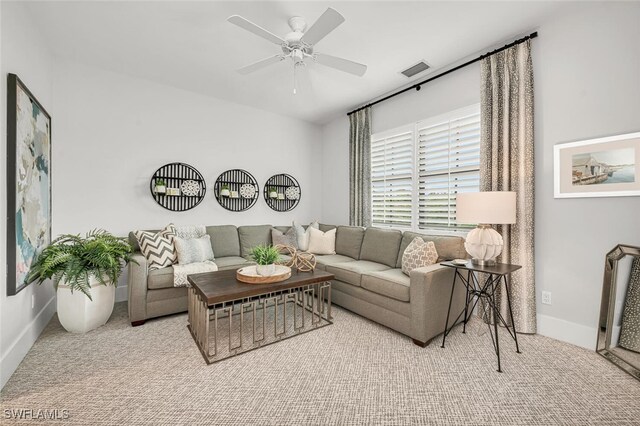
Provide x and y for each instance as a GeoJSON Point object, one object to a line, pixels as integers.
{"type": "Point", "coordinates": [249, 275]}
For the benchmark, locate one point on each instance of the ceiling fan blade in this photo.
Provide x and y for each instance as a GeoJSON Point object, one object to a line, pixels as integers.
{"type": "Point", "coordinates": [326, 23]}
{"type": "Point", "coordinates": [341, 64]}
{"type": "Point", "coordinates": [256, 29]}
{"type": "Point", "coordinates": [260, 64]}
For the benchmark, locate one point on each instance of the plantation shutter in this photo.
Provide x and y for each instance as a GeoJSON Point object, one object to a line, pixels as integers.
{"type": "Point", "coordinates": [448, 164]}
{"type": "Point", "coordinates": [392, 178]}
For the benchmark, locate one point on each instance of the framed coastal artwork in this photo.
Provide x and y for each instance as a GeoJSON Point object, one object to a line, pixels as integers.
{"type": "Point", "coordinates": [28, 182]}
{"type": "Point", "coordinates": [603, 167]}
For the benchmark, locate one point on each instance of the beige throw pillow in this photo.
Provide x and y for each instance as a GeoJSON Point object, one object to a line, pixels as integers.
{"type": "Point", "coordinates": [418, 253]}
{"type": "Point", "coordinates": [322, 242]}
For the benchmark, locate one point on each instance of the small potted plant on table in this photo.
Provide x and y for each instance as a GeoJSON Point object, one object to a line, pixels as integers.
{"type": "Point", "coordinates": [273, 193]}
{"type": "Point", "coordinates": [85, 272]}
{"type": "Point", "coordinates": [224, 191]}
{"type": "Point", "coordinates": [265, 257]}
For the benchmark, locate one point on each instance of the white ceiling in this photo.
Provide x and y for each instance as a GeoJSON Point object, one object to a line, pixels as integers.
{"type": "Point", "coordinates": [190, 45]}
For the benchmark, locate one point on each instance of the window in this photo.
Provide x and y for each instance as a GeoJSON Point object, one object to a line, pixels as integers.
{"type": "Point", "coordinates": [417, 171]}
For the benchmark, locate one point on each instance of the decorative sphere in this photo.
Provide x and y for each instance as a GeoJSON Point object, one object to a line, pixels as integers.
{"type": "Point", "coordinates": [484, 243]}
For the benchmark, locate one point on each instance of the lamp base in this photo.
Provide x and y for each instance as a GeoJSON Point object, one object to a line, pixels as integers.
{"type": "Point", "coordinates": [482, 262]}
{"type": "Point", "coordinates": [484, 244]}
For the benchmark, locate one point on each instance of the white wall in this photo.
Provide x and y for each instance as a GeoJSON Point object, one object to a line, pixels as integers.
{"type": "Point", "coordinates": [24, 53]}
{"type": "Point", "coordinates": [586, 67]}
{"type": "Point", "coordinates": [113, 131]}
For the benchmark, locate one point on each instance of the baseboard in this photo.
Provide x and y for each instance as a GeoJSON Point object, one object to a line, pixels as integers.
{"type": "Point", "coordinates": [122, 293]}
{"type": "Point", "coordinates": [566, 331]}
{"type": "Point", "coordinates": [16, 352]}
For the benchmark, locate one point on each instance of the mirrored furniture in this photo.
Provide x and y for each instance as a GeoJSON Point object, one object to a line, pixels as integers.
{"type": "Point", "coordinates": [619, 326]}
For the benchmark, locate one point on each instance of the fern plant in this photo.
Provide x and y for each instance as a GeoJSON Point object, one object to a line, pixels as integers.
{"type": "Point", "coordinates": [74, 259]}
{"type": "Point", "coordinates": [265, 255]}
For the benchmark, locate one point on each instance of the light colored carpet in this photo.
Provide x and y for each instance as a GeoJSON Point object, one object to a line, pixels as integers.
{"type": "Point", "coordinates": [352, 372]}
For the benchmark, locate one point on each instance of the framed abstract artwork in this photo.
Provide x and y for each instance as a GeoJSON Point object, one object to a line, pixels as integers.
{"type": "Point", "coordinates": [603, 167]}
{"type": "Point", "coordinates": [28, 182]}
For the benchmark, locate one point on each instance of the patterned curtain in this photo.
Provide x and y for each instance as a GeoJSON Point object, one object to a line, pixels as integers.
{"type": "Point", "coordinates": [360, 168]}
{"type": "Point", "coordinates": [506, 164]}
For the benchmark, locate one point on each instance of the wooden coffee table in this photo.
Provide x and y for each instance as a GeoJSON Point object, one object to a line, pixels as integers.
{"type": "Point", "coordinates": [249, 316]}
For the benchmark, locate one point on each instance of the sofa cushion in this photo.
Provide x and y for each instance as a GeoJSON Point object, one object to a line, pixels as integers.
{"type": "Point", "coordinates": [251, 236]}
{"type": "Point", "coordinates": [392, 283]}
{"type": "Point", "coordinates": [231, 262]}
{"type": "Point", "coordinates": [322, 261]}
{"type": "Point", "coordinates": [381, 246]}
{"type": "Point", "coordinates": [324, 227]}
{"type": "Point", "coordinates": [448, 247]}
{"type": "Point", "coordinates": [351, 272]}
{"type": "Point", "coordinates": [160, 278]}
{"type": "Point", "coordinates": [349, 241]}
{"type": "Point", "coordinates": [224, 240]}
{"type": "Point", "coordinates": [283, 229]}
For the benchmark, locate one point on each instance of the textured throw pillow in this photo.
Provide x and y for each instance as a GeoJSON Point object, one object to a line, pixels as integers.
{"type": "Point", "coordinates": [322, 242]}
{"type": "Point", "coordinates": [284, 238]}
{"type": "Point", "coordinates": [418, 253]}
{"type": "Point", "coordinates": [193, 250]}
{"type": "Point", "coordinates": [158, 247]}
{"type": "Point", "coordinates": [191, 231]}
{"type": "Point", "coordinates": [303, 236]}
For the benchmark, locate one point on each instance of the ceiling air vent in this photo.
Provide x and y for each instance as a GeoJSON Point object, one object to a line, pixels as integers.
{"type": "Point", "coordinates": [415, 69]}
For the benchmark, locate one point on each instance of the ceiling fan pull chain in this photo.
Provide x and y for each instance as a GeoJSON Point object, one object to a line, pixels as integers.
{"type": "Point", "coordinates": [295, 80]}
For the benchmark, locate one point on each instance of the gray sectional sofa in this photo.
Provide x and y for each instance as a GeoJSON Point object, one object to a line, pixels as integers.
{"type": "Point", "coordinates": [368, 277]}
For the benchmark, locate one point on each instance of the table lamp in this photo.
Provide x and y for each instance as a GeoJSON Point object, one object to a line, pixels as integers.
{"type": "Point", "coordinates": [484, 243]}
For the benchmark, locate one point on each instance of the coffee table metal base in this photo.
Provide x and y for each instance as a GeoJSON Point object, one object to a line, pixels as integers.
{"type": "Point", "coordinates": [231, 328]}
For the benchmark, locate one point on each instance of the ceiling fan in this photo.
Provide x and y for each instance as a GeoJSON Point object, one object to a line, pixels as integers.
{"type": "Point", "coordinates": [299, 44]}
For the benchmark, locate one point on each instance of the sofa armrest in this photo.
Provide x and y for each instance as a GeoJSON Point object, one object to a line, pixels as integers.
{"type": "Point", "coordinates": [137, 288]}
{"type": "Point", "coordinates": [429, 293]}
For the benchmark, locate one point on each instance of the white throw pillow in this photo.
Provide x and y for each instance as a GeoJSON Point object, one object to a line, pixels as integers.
{"type": "Point", "coordinates": [193, 250]}
{"type": "Point", "coordinates": [303, 236]}
{"type": "Point", "coordinates": [418, 253]}
{"type": "Point", "coordinates": [322, 242]}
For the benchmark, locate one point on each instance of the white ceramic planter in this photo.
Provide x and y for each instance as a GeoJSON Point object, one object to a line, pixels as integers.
{"type": "Point", "coordinates": [224, 193]}
{"type": "Point", "coordinates": [161, 189]}
{"type": "Point", "coordinates": [78, 314]}
{"type": "Point", "coordinates": [273, 194]}
{"type": "Point", "coordinates": [266, 270]}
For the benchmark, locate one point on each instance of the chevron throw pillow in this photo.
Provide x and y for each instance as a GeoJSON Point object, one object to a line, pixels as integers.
{"type": "Point", "coordinates": [158, 247]}
{"type": "Point", "coordinates": [418, 253]}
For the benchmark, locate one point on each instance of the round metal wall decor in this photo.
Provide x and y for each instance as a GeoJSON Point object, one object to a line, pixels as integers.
{"type": "Point", "coordinates": [282, 192]}
{"type": "Point", "coordinates": [177, 187]}
{"type": "Point", "coordinates": [236, 190]}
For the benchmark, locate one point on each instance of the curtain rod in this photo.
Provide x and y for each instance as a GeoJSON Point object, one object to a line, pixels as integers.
{"type": "Point", "coordinates": [417, 85]}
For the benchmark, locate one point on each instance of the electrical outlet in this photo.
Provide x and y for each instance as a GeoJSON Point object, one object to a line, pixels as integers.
{"type": "Point", "coordinates": [33, 301]}
{"type": "Point", "coordinates": [546, 297]}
